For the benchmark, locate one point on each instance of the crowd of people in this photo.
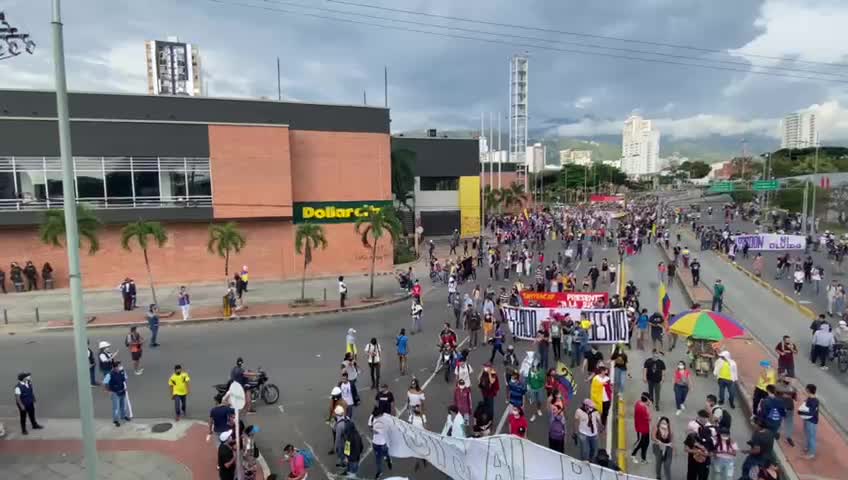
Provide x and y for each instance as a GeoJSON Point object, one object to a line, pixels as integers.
{"type": "Point", "coordinates": [25, 279]}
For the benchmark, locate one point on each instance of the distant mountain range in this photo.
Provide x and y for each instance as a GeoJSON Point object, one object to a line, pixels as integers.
{"type": "Point", "coordinates": [715, 148]}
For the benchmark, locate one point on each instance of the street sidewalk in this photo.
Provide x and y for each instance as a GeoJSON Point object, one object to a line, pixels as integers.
{"type": "Point", "coordinates": [832, 447]}
{"type": "Point", "coordinates": [264, 299]}
{"type": "Point", "coordinates": [131, 452]}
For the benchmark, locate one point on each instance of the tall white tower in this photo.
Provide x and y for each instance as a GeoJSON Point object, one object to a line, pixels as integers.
{"type": "Point", "coordinates": [518, 115]}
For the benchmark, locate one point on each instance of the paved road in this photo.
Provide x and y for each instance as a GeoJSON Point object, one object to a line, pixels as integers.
{"type": "Point", "coordinates": [301, 355]}
{"type": "Point", "coordinates": [768, 319]}
{"type": "Point", "coordinates": [815, 301]}
{"type": "Point", "coordinates": [641, 270]}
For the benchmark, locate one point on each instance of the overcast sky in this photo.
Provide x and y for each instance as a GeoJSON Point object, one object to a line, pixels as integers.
{"type": "Point", "coordinates": [444, 82]}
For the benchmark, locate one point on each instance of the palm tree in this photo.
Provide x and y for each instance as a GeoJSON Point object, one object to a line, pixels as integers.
{"type": "Point", "coordinates": [377, 224]}
{"type": "Point", "coordinates": [223, 239]}
{"type": "Point", "coordinates": [52, 229]}
{"type": "Point", "coordinates": [403, 179]}
{"type": "Point", "coordinates": [492, 197]}
{"type": "Point", "coordinates": [518, 193]}
{"type": "Point", "coordinates": [308, 237]}
{"type": "Point", "coordinates": [143, 232]}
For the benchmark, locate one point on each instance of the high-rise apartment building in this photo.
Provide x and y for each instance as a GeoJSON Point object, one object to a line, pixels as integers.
{"type": "Point", "coordinates": [798, 130]}
{"type": "Point", "coordinates": [640, 147]}
{"type": "Point", "coordinates": [173, 68]}
{"type": "Point", "coordinates": [518, 102]}
{"type": "Point", "coordinates": [575, 157]}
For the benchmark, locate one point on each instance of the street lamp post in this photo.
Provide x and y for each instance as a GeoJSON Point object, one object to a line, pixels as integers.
{"type": "Point", "coordinates": [815, 173]}
{"type": "Point", "coordinates": [72, 246]}
{"type": "Point", "coordinates": [12, 41]}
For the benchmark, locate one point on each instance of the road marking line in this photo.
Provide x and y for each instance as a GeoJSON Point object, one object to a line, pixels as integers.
{"type": "Point", "coordinates": [502, 421]}
{"type": "Point", "coordinates": [281, 408]}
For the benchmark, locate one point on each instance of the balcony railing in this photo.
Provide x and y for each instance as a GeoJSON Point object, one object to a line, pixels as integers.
{"type": "Point", "coordinates": [107, 203]}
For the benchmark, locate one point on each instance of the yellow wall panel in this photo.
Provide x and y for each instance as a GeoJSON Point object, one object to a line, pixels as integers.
{"type": "Point", "coordinates": [469, 206]}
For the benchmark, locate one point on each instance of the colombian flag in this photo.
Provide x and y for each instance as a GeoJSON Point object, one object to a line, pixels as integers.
{"type": "Point", "coordinates": [665, 302]}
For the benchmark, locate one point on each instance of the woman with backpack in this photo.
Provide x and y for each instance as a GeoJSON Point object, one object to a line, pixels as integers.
{"type": "Point", "coordinates": [299, 462]}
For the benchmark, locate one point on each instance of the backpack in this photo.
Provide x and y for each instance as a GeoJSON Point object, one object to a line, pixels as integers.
{"type": "Point", "coordinates": [308, 457]}
{"type": "Point", "coordinates": [705, 436]}
{"type": "Point", "coordinates": [127, 340]}
{"type": "Point", "coordinates": [725, 420]}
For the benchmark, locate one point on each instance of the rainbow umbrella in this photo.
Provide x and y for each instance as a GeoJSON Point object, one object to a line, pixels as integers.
{"type": "Point", "coordinates": [705, 325]}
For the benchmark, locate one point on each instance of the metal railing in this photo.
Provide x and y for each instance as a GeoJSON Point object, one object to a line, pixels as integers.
{"type": "Point", "coordinates": [108, 203]}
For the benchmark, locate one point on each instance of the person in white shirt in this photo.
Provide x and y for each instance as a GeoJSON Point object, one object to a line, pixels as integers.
{"type": "Point", "coordinates": [798, 278]}
{"type": "Point", "coordinates": [373, 352]}
{"type": "Point", "coordinates": [379, 423]}
{"type": "Point", "coordinates": [347, 394]}
{"type": "Point", "coordinates": [342, 292]}
{"type": "Point", "coordinates": [588, 421]}
{"type": "Point", "coordinates": [455, 424]}
{"type": "Point", "coordinates": [451, 289]}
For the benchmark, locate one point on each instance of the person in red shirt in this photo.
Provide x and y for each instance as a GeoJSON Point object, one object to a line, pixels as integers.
{"type": "Point", "coordinates": [518, 422]}
{"type": "Point", "coordinates": [489, 387]}
{"type": "Point", "coordinates": [447, 336]}
{"type": "Point", "coordinates": [416, 291]}
{"type": "Point", "coordinates": [297, 464]}
{"type": "Point", "coordinates": [642, 424]}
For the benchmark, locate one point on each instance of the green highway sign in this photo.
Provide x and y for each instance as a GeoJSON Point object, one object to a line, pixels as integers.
{"type": "Point", "coordinates": [766, 185]}
{"type": "Point", "coordinates": [721, 187]}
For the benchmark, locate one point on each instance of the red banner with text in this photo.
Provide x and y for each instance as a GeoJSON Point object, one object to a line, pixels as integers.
{"type": "Point", "coordinates": [564, 299]}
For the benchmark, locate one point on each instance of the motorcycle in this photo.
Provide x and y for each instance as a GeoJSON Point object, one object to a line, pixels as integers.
{"type": "Point", "coordinates": [445, 360]}
{"type": "Point", "coordinates": [258, 387]}
{"type": "Point", "coordinates": [404, 281]}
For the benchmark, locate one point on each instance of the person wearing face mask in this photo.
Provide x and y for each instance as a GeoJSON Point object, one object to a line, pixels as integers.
{"type": "Point", "coordinates": [682, 383]}
{"type": "Point", "coordinates": [653, 373]}
{"type": "Point", "coordinates": [25, 400]}
{"type": "Point", "coordinates": [518, 422]}
{"type": "Point", "coordinates": [587, 424]}
{"type": "Point", "coordinates": [725, 455]}
{"type": "Point", "coordinates": [115, 383]}
{"type": "Point", "coordinates": [663, 448]}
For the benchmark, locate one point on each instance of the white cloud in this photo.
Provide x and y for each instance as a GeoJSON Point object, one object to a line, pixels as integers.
{"type": "Point", "coordinates": [583, 102]}
{"type": "Point", "coordinates": [697, 126]}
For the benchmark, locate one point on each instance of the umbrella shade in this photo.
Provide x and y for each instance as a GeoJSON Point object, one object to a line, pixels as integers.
{"type": "Point", "coordinates": [705, 325]}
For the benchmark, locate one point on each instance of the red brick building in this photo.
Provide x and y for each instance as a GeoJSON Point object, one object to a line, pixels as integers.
{"type": "Point", "coordinates": [189, 162]}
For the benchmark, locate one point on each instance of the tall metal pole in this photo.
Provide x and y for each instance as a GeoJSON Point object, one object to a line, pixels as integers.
{"type": "Point", "coordinates": [804, 206]}
{"type": "Point", "coordinates": [815, 173]}
{"type": "Point", "coordinates": [483, 176]}
{"type": "Point", "coordinates": [386, 86]}
{"type": "Point", "coordinates": [500, 157]}
{"type": "Point", "coordinates": [279, 87]}
{"type": "Point", "coordinates": [364, 98]}
{"type": "Point", "coordinates": [491, 150]}
{"type": "Point", "coordinates": [72, 245]}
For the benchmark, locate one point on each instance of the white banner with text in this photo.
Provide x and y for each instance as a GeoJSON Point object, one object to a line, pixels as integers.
{"type": "Point", "coordinates": [771, 242]}
{"type": "Point", "coordinates": [607, 325]}
{"type": "Point", "coordinates": [498, 457]}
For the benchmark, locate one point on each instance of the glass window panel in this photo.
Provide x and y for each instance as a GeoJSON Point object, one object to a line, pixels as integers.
{"type": "Point", "coordinates": [119, 184]}
{"type": "Point", "coordinates": [439, 183]}
{"type": "Point", "coordinates": [199, 184]}
{"type": "Point", "coordinates": [172, 185]}
{"type": "Point", "coordinates": [90, 184]}
{"type": "Point", "coordinates": [54, 185]}
{"type": "Point", "coordinates": [7, 186]}
{"type": "Point", "coordinates": [146, 184]}
{"type": "Point", "coordinates": [32, 185]}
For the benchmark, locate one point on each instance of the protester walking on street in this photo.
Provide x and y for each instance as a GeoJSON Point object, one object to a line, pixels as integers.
{"type": "Point", "coordinates": [653, 373]}
{"type": "Point", "coordinates": [402, 343]}
{"type": "Point", "coordinates": [153, 324]}
{"type": "Point", "coordinates": [379, 441]}
{"type": "Point", "coordinates": [374, 353]}
{"type": "Point", "coordinates": [726, 373]}
{"type": "Point", "coordinates": [619, 360]}
{"type": "Point", "coordinates": [556, 429]}
{"type": "Point", "coordinates": [786, 392]}
{"type": "Point", "coordinates": [768, 376]}
{"type": "Point", "coordinates": [682, 385]}
{"type": "Point", "coordinates": [663, 448]}
{"type": "Point", "coordinates": [587, 424]}
{"type": "Point", "coordinates": [180, 384]}
{"type": "Point", "coordinates": [642, 426]}
{"type": "Point", "coordinates": [724, 460]}
{"type": "Point", "coordinates": [25, 401]}
{"type": "Point", "coordinates": [115, 384]}
{"type": "Point", "coordinates": [718, 296]}
{"type": "Point", "coordinates": [135, 344]}
{"type": "Point", "coordinates": [809, 412]}
{"type": "Point", "coordinates": [786, 351]}
{"type": "Point", "coordinates": [92, 364]}
{"type": "Point", "coordinates": [822, 343]}
{"type": "Point", "coordinates": [454, 424]}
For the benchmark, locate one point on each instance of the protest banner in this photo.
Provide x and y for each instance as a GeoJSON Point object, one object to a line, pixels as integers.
{"type": "Point", "coordinates": [771, 242]}
{"type": "Point", "coordinates": [564, 299]}
{"type": "Point", "coordinates": [608, 325]}
{"type": "Point", "coordinates": [491, 458]}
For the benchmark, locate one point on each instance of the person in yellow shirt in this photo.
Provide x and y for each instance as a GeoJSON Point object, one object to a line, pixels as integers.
{"type": "Point", "coordinates": [768, 376]}
{"type": "Point", "coordinates": [180, 384]}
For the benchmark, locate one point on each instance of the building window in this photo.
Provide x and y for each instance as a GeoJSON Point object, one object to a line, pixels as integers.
{"type": "Point", "coordinates": [90, 185]}
{"type": "Point", "coordinates": [146, 185]}
{"type": "Point", "coordinates": [431, 184]}
{"type": "Point", "coordinates": [119, 186]}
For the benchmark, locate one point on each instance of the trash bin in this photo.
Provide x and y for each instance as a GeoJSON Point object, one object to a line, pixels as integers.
{"type": "Point", "coordinates": [228, 311]}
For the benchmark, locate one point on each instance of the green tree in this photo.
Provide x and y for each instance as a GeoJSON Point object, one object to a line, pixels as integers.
{"type": "Point", "coordinates": [403, 179]}
{"type": "Point", "coordinates": [223, 239]}
{"type": "Point", "coordinates": [308, 237]}
{"type": "Point", "coordinates": [379, 223]}
{"type": "Point", "coordinates": [143, 232]}
{"type": "Point", "coordinates": [696, 169]}
{"type": "Point", "coordinates": [492, 197]}
{"type": "Point", "coordinates": [52, 230]}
